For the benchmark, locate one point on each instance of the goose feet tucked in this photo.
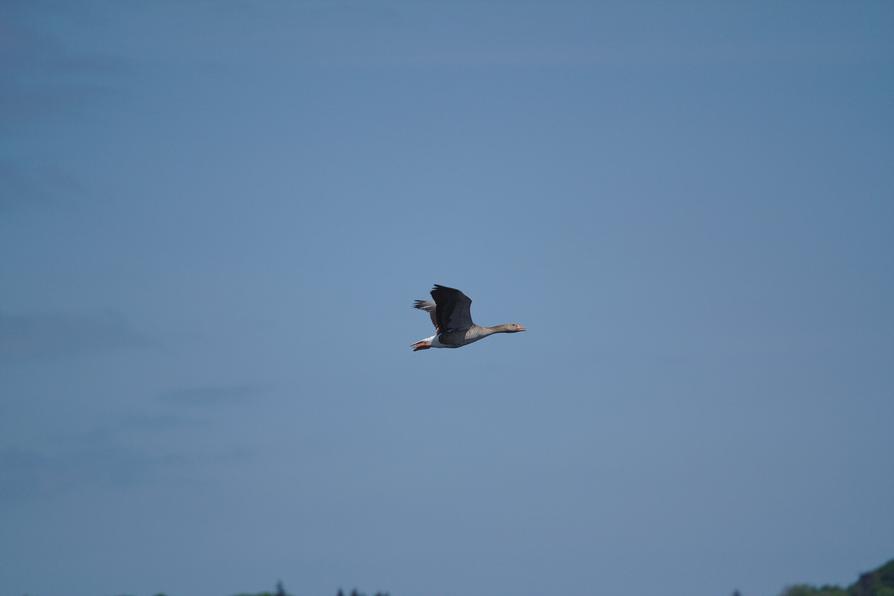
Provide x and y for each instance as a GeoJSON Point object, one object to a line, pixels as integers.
{"type": "Point", "coordinates": [421, 345]}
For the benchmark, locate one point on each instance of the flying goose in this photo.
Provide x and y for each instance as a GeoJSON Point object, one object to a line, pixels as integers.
{"type": "Point", "coordinates": [453, 321]}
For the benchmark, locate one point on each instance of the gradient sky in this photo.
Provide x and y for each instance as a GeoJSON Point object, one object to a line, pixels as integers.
{"type": "Point", "coordinates": [215, 216]}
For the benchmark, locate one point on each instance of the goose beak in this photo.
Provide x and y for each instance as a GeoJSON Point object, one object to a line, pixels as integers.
{"type": "Point", "coordinates": [521, 327]}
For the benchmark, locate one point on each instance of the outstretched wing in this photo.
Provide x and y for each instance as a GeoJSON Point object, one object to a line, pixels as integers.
{"type": "Point", "coordinates": [429, 307]}
{"type": "Point", "coordinates": [453, 310]}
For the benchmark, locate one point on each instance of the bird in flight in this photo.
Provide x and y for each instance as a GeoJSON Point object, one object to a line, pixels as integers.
{"type": "Point", "coordinates": [452, 318]}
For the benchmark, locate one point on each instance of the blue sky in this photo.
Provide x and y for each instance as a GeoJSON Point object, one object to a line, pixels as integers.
{"type": "Point", "coordinates": [216, 216]}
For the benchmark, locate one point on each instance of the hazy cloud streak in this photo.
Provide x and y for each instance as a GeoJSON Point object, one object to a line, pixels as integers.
{"type": "Point", "coordinates": [63, 335]}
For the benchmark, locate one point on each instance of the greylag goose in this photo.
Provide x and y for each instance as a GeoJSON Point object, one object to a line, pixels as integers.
{"type": "Point", "coordinates": [450, 314]}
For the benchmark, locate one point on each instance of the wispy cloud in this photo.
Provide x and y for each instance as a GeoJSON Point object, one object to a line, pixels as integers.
{"type": "Point", "coordinates": [212, 395]}
{"type": "Point", "coordinates": [42, 79]}
{"type": "Point", "coordinates": [32, 186]}
{"type": "Point", "coordinates": [117, 456]}
{"type": "Point", "coordinates": [136, 448]}
{"type": "Point", "coordinates": [61, 335]}
{"type": "Point", "coordinates": [96, 459]}
{"type": "Point", "coordinates": [154, 423]}
{"type": "Point", "coordinates": [39, 75]}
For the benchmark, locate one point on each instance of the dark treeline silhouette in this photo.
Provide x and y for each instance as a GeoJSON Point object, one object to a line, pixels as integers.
{"type": "Point", "coordinates": [879, 582]}
{"type": "Point", "coordinates": [281, 591]}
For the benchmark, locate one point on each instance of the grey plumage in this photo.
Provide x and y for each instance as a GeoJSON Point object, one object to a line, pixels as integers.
{"type": "Point", "coordinates": [451, 315]}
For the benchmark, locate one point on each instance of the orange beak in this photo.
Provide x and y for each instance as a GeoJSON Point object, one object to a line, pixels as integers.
{"type": "Point", "coordinates": [521, 327]}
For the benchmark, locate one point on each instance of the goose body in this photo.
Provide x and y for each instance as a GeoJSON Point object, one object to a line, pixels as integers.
{"type": "Point", "coordinates": [450, 313]}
